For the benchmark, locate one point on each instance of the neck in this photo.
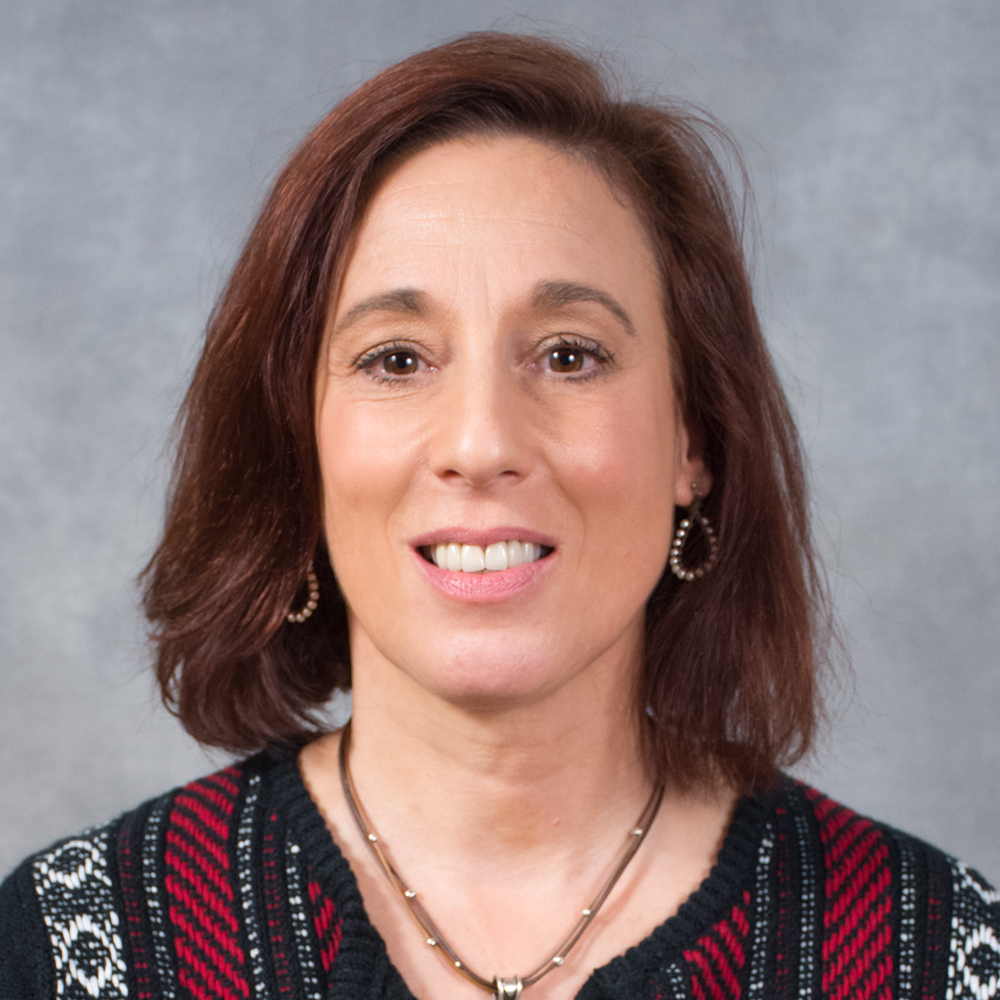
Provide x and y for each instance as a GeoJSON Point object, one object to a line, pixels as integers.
{"type": "Point", "coordinates": [558, 773]}
{"type": "Point", "coordinates": [508, 818]}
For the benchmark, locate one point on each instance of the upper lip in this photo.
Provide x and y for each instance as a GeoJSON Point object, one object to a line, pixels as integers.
{"type": "Point", "coordinates": [482, 536]}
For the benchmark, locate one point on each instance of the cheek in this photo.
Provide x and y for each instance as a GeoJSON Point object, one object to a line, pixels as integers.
{"type": "Point", "coordinates": [365, 466]}
{"type": "Point", "coordinates": [620, 471]}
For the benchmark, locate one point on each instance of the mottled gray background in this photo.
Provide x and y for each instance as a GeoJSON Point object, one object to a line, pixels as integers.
{"type": "Point", "coordinates": [137, 140]}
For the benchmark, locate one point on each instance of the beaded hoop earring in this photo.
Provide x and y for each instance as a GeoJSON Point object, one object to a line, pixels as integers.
{"type": "Point", "coordinates": [310, 606]}
{"type": "Point", "coordinates": [680, 536]}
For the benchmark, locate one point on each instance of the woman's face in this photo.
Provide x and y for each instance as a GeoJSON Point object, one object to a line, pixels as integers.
{"type": "Point", "coordinates": [496, 370]}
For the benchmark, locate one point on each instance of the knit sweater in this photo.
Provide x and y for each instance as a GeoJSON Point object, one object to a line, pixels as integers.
{"type": "Point", "coordinates": [232, 888]}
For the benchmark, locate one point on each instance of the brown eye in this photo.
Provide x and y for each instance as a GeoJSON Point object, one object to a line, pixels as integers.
{"type": "Point", "coordinates": [566, 359]}
{"type": "Point", "coordinates": [400, 363]}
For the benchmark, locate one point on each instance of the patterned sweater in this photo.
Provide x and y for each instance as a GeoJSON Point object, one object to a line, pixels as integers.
{"type": "Point", "coordinates": [232, 888]}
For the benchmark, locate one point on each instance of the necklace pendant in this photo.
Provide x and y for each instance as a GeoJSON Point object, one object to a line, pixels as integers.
{"type": "Point", "coordinates": [507, 989]}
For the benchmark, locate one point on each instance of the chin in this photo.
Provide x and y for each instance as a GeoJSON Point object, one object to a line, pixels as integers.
{"type": "Point", "coordinates": [483, 681]}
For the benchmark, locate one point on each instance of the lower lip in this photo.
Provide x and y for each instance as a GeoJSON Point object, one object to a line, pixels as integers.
{"type": "Point", "coordinates": [486, 587]}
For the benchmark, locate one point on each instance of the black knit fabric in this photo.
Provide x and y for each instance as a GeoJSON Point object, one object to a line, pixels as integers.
{"type": "Point", "coordinates": [231, 888]}
{"type": "Point", "coordinates": [25, 951]}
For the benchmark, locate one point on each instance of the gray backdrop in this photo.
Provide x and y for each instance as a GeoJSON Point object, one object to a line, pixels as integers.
{"type": "Point", "coordinates": [137, 140]}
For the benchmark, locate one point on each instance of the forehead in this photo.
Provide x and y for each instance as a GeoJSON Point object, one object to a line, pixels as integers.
{"type": "Point", "coordinates": [506, 209]}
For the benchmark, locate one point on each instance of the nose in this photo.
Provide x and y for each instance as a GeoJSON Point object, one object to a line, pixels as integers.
{"type": "Point", "coordinates": [481, 434]}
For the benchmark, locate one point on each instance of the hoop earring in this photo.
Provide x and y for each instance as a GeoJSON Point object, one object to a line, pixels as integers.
{"type": "Point", "coordinates": [310, 606]}
{"type": "Point", "coordinates": [694, 515]}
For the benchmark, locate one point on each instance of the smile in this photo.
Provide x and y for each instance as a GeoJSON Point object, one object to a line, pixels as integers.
{"type": "Point", "coordinates": [478, 559]}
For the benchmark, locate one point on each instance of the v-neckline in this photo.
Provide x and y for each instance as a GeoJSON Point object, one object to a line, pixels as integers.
{"type": "Point", "coordinates": [363, 967]}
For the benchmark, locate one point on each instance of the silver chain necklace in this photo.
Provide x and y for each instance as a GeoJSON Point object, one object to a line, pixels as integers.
{"type": "Point", "coordinates": [502, 987]}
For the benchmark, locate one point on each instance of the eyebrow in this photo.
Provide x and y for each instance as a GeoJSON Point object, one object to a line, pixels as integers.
{"type": "Point", "coordinates": [554, 294]}
{"type": "Point", "coordinates": [545, 295]}
{"type": "Point", "coordinates": [399, 300]}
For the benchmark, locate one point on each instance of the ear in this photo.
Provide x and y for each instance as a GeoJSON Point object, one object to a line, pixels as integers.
{"type": "Point", "coordinates": [692, 474]}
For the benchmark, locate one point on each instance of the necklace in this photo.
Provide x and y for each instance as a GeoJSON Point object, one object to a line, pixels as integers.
{"type": "Point", "coordinates": [502, 987]}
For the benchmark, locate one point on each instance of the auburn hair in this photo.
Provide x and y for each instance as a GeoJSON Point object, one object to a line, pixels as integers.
{"type": "Point", "coordinates": [729, 680]}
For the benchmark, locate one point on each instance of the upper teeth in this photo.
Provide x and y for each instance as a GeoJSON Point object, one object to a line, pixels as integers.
{"type": "Point", "coordinates": [476, 559]}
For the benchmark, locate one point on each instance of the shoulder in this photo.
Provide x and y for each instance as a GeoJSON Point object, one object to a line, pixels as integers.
{"type": "Point", "coordinates": [826, 902]}
{"type": "Point", "coordinates": [25, 966]}
{"type": "Point", "coordinates": [821, 901]}
{"type": "Point", "coordinates": [56, 907]}
{"type": "Point", "coordinates": [895, 910]}
{"type": "Point", "coordinates": [83, 917]}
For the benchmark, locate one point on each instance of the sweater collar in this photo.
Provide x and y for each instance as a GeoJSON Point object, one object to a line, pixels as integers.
{"type": "Point", "coordinates": [363, 968]}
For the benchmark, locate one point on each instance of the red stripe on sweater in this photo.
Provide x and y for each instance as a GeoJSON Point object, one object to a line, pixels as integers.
{"type": "Point", "coordinates": [857, 916]}
{"type": "Point", "coordinates": [273, 897]}
{"type": "Point", "coordinates": [208, 986]}
{"type": "Point", "coordinates": [854, 952]}
{"type": "Point", "coordinates": [722, 964]}
{"type": "Point", "coordinates": [212, 797]}
{"type": "Point", "coordinates": [714, 968]}
{"type": "Point", "coordinates": [204, 814]}
{"type": "Point", "coordinates": [739, 917]}
{"type": "Point", "coordinates": [227, 779]}
{"type": "Point", "coordinates": [208, 870]}
{"type": "Point", "coordinates": [938, 934]}
{"type": "Point", "coordinates": [848, 837]}
{"type": "Point", "coordinates": [202, 910]}
{"type": "Point", "coordinates": [874, 868]}
{"type": "Point", "coordinates": [733, 944]}
{"type": "Point", "coordinates": [857, 983]}
{"type": "Point", "coordinates": [822, 805]}
{"type": "Point", "coordinates": [185, 901]}
{"type": "Point", "coordinates": [329, 930]}
{"type": "Point", "coordinates": [211, 900]}
{"type": "Point", "coordinates": [834, 827]}
{"type": "Point", "coordinates": [838, 872]}
{"type": "Point", "coordinates": [133, 918]}
{"type": "Point", "coordinates": [867, 912]}
{"type": "Point", "coordinates": [212, 955]}
{"type": "Point", "coordinates": [707, 976]}
{"type": "Point", "coordinates": [201, 838]}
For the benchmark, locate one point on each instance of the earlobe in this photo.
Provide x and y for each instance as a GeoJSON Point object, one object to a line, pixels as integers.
{"type": "Point", "coordinates": [693, 475]}
{"type": "Point", "coordinates": [698, 484]}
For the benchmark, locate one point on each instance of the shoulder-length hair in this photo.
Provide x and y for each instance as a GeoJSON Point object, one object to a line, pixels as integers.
{"type": "Point", "coordinates": [729, 678]}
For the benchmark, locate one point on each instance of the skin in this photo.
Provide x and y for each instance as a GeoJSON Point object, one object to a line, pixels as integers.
{"type": "Point", "coordinates": [495, 746]}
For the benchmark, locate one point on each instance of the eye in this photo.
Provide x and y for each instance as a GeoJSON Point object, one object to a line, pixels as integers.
{"type": "Point", "coordinates": [399, 362]}
{"type": "Point", "coordinates": [391, 362]}
{"type": "Point", "coordinates": [567, 359]}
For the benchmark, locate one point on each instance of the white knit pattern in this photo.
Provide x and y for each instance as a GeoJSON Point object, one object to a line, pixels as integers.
{"type": "Point", "coordinates": [74, 890]}
{"type": "Point", "coordinates": [974, 962]}
{"type": "Point", "coordinates": [758, 965]}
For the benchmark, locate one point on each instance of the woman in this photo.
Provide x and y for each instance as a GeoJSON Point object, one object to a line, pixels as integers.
{"type": "Point", "coordinates": [485, 430]}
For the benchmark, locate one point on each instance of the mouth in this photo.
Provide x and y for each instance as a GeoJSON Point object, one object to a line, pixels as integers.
{"type": "Point", "coordinates": [495, 558]}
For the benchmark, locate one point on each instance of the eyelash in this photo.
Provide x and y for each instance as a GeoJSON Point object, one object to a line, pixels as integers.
{"type": "Point", "coordinates": [600, 354]}
{"type": "Point", "coordinates": [369, 358]}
